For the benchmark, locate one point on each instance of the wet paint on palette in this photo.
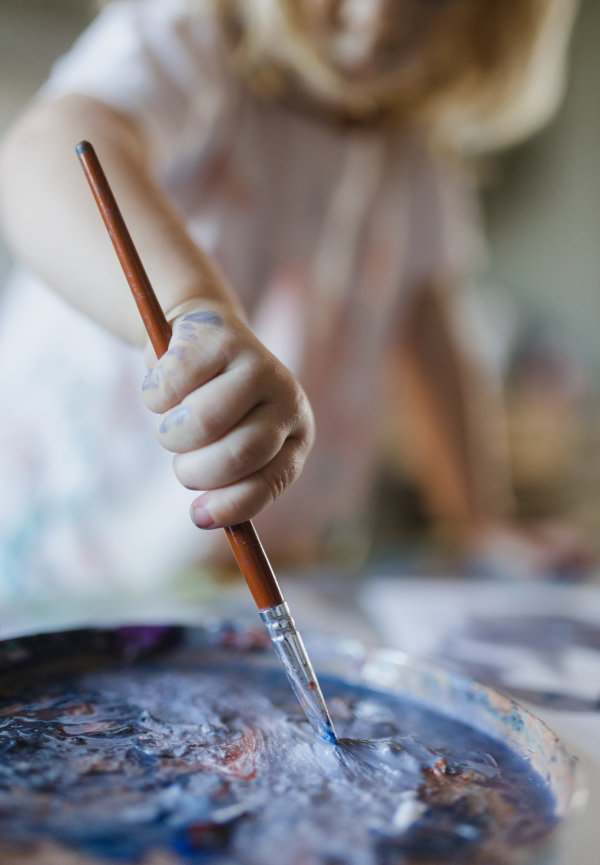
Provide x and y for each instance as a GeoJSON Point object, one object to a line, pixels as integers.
{"type": "Point", "coordinates": [218, 765]}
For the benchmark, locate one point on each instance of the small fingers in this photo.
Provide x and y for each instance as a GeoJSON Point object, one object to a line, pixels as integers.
{"type": "Point", "coordinates": [238, 422]}
{"type": "Point", "coordinates": [246, 449]}
{"type": "Point", "coordinates": [209, 412]}
{"type": "Point", "coordinates": [242, 501]}
{"type": "Point", "coordinates": [200, 348]}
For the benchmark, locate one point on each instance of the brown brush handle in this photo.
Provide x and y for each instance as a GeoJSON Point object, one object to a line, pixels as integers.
{"type": "Point", "coordinates": [254, 565]}
{"type": "Point", "coordinates": [152, 315]}
{"type": "Point", "coordinates": [244, 541]}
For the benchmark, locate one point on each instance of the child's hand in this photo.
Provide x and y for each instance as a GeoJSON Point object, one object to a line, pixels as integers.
{"type": "Point", "coordinates": [237, 419]}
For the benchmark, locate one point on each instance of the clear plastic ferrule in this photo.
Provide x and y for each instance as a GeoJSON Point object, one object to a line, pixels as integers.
{"type": "Point", "coordinates": [292, 654]}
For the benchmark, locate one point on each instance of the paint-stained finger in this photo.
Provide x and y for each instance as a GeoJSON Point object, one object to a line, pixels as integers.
{"type": "Point", "coordinates": [187, 365]}
{"type": "Point", "coordinates": [249, 447]}
{"type": "Point", "coordinates": [211, 411]}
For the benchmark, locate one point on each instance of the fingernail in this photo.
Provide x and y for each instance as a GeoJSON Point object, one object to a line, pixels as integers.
{"type": "Point", "coordinates": [202, 517]}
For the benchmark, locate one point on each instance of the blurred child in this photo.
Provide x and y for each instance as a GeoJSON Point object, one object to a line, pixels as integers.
{"type": "Point", "coordinates": [289, 171]}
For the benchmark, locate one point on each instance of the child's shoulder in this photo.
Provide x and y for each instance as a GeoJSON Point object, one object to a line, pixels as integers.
{"type": "Point", "coordinates": [162, 63]}
{"type": "Point", "coordinates": [195, 18]}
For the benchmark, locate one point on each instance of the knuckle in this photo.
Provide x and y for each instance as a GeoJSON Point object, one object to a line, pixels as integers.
{"type": "Point", "coordinates": [210, 345]}
{"type": "Point", "coordinates": [170, 394]}
{"type": "Point", "coordinates": [302, 406]}
{"type": "Point", "coordinates": [304, 423]}
{"type": "Point", "coordinates": [152, 394]}
{"type": "Point", "coordinates": [306, 435]}
{"type": "Point", "coordinates": [254, 368]}
{"type": "Point", "coordinates": [290, 395]}
{"type": "Point", "coordinates": [208, 425]}
{"type": "Point", "coordinates": [243, 455]}
{"type": "Point", "coordinates": [159, 391]}
{"type": "Point", "coordinates": [297, 457]}
{"type": "Point", "coordinates": [282, 471]}
{"type": "Point", "coordinates": [276, 481]}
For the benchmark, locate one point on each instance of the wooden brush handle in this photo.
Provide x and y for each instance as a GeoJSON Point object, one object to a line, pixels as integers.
{"type": "Point", "coordinates": [243, 538]}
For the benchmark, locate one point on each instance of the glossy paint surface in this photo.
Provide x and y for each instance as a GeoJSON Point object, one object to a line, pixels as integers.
{"type": "Point", "coordinates": [215, 762]}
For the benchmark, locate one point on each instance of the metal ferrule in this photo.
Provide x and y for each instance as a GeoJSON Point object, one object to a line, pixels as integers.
{"type": "Point", "coordinates": [292, 654]}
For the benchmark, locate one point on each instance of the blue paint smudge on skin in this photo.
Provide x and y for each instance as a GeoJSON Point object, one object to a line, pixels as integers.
{"type": "Point", "coordinates": [205, 317]}
{"type": "Point", "coordinates": [186, 331]}
{"type": "Point", "coordinates": [156, 374]}
{"type": "Point", "coordinates": [151, 380]}
{"type": "Point", "coordinates": [177, 353]}
{"type": "Point", "coordinates": [175, 418]}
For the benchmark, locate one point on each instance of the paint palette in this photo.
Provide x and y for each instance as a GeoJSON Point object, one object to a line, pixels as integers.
{"type": "Point", "coordinates": [188, 745]}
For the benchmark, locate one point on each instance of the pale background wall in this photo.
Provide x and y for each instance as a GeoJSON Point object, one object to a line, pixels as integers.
{"type": "Point", "coordinates": [544, 220]}
{"type": "Point", "coordinates": [32, 34]}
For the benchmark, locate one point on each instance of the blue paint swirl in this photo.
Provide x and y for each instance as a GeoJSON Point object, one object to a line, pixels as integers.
{"type": "Point", "coordinates": [217, 764]}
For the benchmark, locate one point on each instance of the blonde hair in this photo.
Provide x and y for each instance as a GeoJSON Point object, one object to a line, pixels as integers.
{"type": "Point", "coordinates": [488, 74]}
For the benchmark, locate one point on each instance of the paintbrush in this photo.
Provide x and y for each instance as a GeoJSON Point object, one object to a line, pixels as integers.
{"type": "Point", "coordinates": [243, 538]}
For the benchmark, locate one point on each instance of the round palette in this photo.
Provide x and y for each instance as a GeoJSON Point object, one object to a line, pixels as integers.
{"type": "Point", "coordinates": [188, 745]}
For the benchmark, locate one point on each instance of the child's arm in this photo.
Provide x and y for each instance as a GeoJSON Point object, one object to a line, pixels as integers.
{"type": "Point", "coordinates": [238, 420]}
{"type": "Point", "coordinates": [52, 223]}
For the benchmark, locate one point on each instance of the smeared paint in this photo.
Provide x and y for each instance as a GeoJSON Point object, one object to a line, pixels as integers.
{"type": "Point", "coordinates": [186, 330]}
{"type": "Point", "coordinates": [175, 352]}
{"type": "Point", "coordinates": [205, 317]}
{"type": "Point", "coordinates": [185, 333]}
{"type": "Point", "coordinates": [151, 380]}
{"type": "Point", "coordinates": [156, 374]}
{"type": "Point", "coordinates": [175, 418]}
{"type": "Point", "coordinates": [218, 765]}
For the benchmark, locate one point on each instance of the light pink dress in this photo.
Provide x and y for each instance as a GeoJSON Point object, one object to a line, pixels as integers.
{"type": "Point", "coordinates": [324, 234]}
